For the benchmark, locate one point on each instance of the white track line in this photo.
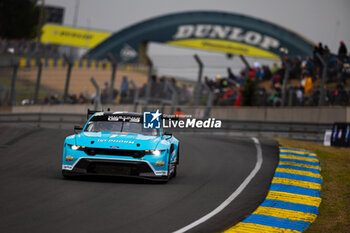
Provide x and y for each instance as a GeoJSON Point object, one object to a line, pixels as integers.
{"type": "Point", "coordinates": [234, 194]}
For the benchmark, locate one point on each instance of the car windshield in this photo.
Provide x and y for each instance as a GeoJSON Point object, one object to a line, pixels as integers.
{"type": "Point", "coordinates": [120, 126]}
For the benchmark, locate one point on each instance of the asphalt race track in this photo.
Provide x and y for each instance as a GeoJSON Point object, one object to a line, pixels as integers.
{"type": "Point", "coordinates": [35, 198]}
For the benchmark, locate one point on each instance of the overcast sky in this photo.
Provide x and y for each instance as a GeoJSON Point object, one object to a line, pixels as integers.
{"type": "Point", "coordinates": [318, 20]}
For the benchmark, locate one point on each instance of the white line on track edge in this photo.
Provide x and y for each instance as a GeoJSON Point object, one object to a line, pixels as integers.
{"type": "Point", "coordinates": [233, 195]}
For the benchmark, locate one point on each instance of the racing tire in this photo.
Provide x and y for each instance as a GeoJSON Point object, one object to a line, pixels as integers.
{"type": "Point", "coordinates": [178, 154]}
{"type": "Point", "coordinates": [177, 162]}
{"type": "Point", "coordinates": [169, 176]}
{"type": "Point", "coordinates": [174, 173]}
{"type": "Point", "coordinates": [67, 174]}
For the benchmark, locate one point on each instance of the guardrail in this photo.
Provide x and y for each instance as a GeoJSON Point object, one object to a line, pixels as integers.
{"type": "Point", "coordinates": [294, 130]}
{"type": "Point", "coordinates": [44, 120]}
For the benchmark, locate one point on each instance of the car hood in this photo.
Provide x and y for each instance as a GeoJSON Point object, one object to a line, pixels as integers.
{"type": "Point", "coordinates": [128, 141]}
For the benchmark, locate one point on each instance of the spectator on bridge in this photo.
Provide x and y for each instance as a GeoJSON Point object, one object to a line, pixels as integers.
{"type": "Point", "coordinates": [342, 51]}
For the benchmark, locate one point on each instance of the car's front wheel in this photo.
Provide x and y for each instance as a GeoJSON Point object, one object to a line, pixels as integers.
{"type": "Point", "coordinates": [176, 163]}
{"type": "Point", "coordinates": [174, 172]}
{"type": "Point", "coordinates": [67, 174]}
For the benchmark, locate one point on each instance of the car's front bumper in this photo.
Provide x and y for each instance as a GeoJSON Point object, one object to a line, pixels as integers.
{"type": "Point", "coordinates": [113, 167]}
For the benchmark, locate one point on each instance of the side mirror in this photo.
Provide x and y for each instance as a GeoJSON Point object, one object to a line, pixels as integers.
{"type": "Point", "coordinates": [168, 135]}
{"type": "Point", "coordinates": [77, 128]}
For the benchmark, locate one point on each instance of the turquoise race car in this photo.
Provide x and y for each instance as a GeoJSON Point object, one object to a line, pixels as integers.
{"type": "Point", "coordinates": [119, 144]}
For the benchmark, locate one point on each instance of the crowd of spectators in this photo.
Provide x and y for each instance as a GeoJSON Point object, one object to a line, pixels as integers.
{"type": "Point", "coordinates": [163, 89]}
{"type": "Point", "coordinates": [261, 85]}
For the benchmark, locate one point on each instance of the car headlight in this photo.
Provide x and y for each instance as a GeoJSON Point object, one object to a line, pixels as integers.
{"type": "Point", "coordinates": [156, 152]}
{"type": "Point", "coordinates": [75, 147]}
{"type": "Point", "coordinates": [153, 152]}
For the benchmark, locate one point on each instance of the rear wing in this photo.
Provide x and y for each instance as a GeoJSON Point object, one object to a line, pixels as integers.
{"type": "Point", "coordinates": [90, 113]}
{"type": "Point", "coordinates": [166, 117]}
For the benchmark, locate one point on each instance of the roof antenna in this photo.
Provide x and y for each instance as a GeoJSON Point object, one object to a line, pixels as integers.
{"type": "Point", "coordinates": [108, 109]}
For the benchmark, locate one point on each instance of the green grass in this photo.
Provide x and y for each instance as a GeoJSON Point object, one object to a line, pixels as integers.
{"type": "Point", "coordinates": [334, 212]}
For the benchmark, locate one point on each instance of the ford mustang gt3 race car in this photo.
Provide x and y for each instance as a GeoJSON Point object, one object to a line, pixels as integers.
{"type": "Point", "coordinates": [118, 144]}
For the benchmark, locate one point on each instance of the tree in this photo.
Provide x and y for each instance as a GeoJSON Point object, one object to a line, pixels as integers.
{"type": "Point", "coordinates": [19, 19]}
